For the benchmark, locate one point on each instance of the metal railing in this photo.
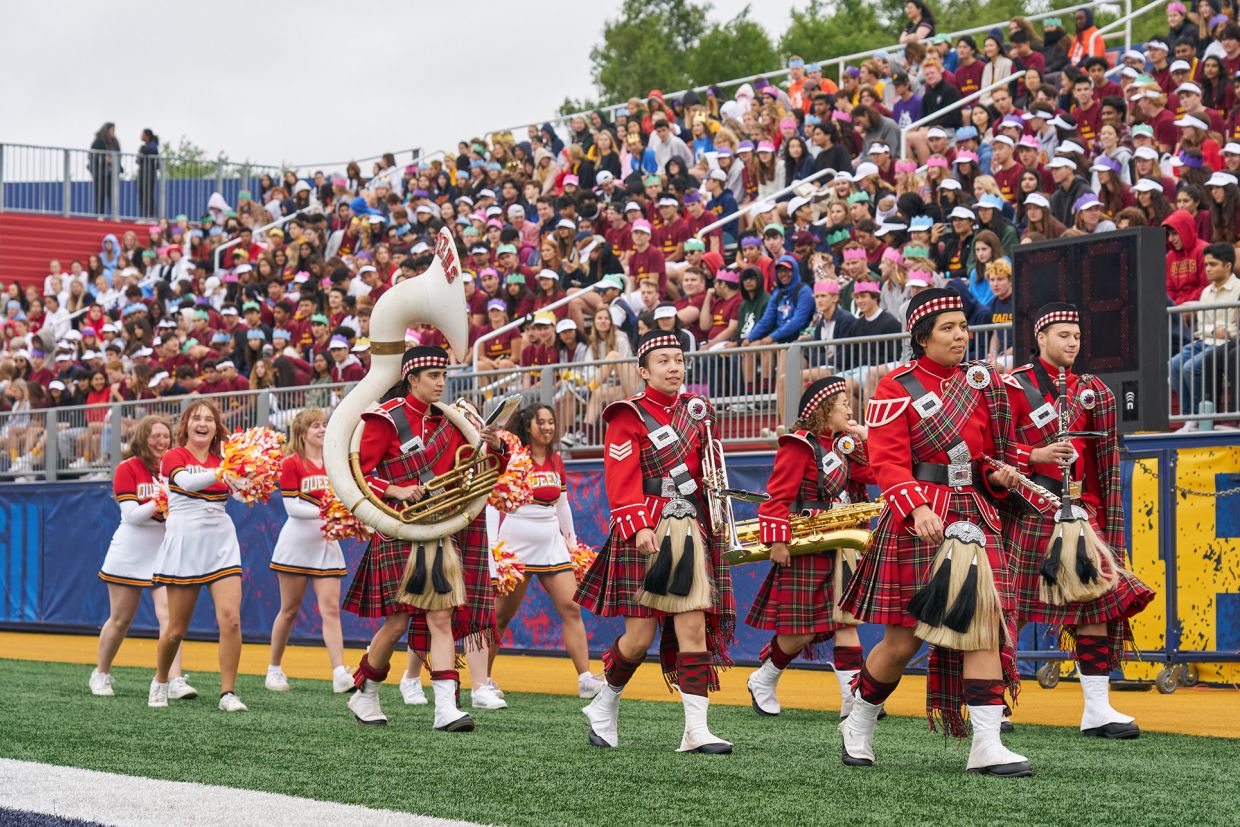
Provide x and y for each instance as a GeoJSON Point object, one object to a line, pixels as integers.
{"type": "Point", "coordinates": [1204, 363]}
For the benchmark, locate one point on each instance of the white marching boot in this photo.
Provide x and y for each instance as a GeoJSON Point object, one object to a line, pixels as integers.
{"type": "Point", "coordinates": [604, 715]}
{"type": "Point", "coordinates": [845, 677]}
{"type": "Point", "coordinates": [858, 731]}
{"type": "Point", "coordinates": [365, 705]}
{"type": "Point", "coordinates": [448, 716]}
{"type": "Point", "coordinates": [1099, 719]}
{"type": "Point", "coordinates": [762, 684]}
{"type": "Point", "coordinates": [697, 737]}
{"type": "Point", "coordinates": [987, 755]}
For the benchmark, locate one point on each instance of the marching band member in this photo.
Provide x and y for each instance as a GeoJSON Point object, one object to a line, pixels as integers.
{"type": "Point", "coordinates": [302, 554]}
{"type": "Point", "coordinates": [1099, 628]}
{"type": "Point", "coordinates": [822, 462]}
{"type": "Point", "coordinates": [662, 566]}
{"type": "Point", "coordinates": [930, 422]}
{"type": "Point", "coordinates": [199, 549]}
{"type": "Point", "coordinates": [405, 442]}
{"type": "Point", "coordinates": [540, 534]}
{"type": "Point", "coordinates": [130, 561]}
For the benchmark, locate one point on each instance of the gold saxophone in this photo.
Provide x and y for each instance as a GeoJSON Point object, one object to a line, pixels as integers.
{"type": "Point", "coordinates": [837, 528]}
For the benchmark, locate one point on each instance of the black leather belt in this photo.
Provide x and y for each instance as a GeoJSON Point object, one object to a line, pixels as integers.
{"type": "Point", "coordinates": [1056, 485]}
{"type": "Point", "coordinates": [955, 474]}
{"type": "Point", "coordinates": [657, 487]}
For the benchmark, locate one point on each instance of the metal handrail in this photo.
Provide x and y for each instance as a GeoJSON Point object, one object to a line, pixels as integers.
{"type": "Point", "coordinates": [775, 195]}
{"type": "Point", "coordinates": [965, 101]}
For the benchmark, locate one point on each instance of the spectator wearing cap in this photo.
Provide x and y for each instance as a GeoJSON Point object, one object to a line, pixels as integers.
{"type": "Point", "coordinates": [1179, 26]}
{"type": "Point", "coordinates": [1111, 190]}
{"type": "Point", "coordinates": [907, 107]}
{"type": "Point", "coordinates": [673, 230]}
{"type": "Point", "coordinates": [721, 204]}
{"type": "Point", "coordinates": [540, 349]}
{"type": "Point", "coordinates": [790, 307]}
{"type": "Point", "coordinates": [645, 260]}
{"type": "Point", "coordinates": [1039, 222]}
{"type": "Point", "coordinates": [1089, 217]}
{"type": "Point", "coordinates": [345, 366]}
{"type": "Point", "coordinates": [1150, 107]}
{"type": "Point", "coordinates": [1068, 188]}
{"type": "Point", "coordinates": [718, 320]}
{"type": "Point", "coordinates": [1004, 168]}
{"type": "Point", "coordinates": [320, 335]}
{"type": "Point", "coordinates": [503, 350]}
{"type": "Point", "coordinates": [698, 218]}
{"type": "Point", "coordinates": [549, 290]}
{"type": "Point", "coordinates": [1191, 104]}
{"type": "Point", "coordinates": [517, 296]}
{"type": "Point", "coordinates": [1223, 196]}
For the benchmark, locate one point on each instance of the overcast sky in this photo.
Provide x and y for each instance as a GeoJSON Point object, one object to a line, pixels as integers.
{"type": "Point", "coordinates": [309, 81]}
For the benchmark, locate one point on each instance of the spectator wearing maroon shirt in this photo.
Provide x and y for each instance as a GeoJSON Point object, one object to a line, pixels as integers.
{"type": "Point", "coordinates": [345, 366]}
{"type": "Point", "coordinates": [1189, 95]}
{"type": "Point", "coordinates": [700, 217]}
{"type": "Point", "coordinates": [1160, 71]}
{"type": "Point", "coordinates": [673, 232]}
{"type": "Point", "coordinates": [1096, 68]}
{"type": "Point", "coordinates": [969, 69]}
{"type": "Point", "coordinates": [549, 291]}
{"type": "Point", "coordinates": [689, 305]}
{"type": "Point", "coordinates": [1152, 104]}
{"type": "Point", "coordinates": [1005, 169]}
{"type": "Point", "coordinates": [504, 350]}
{"type": "Point", "coordinates": [720, 311]}
{"type": "Point", "coordinates": [618, 231]}
{"type": "Point", "coordinates": [645, 260]}
{"type": "Point", "coordinates": [212, 380]}
{"type": "Point", "coordinates": [519, 300]}
{"type": "Point", "coordinates": [1086, 111]}
{"type": "Point", "coordinates": [320, 335]}
{"type": "Point", "coordinates": [1229, 39]}
{"type": "Point", "coordinates": [540, 349]}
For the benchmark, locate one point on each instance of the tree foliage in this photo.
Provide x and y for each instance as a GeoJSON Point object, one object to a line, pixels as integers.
{"type": "Point", "coordinates": [188, 160]}
{"type": "Point", "coordinates": [828, 29]}
{"type": "Point", "coordinates": [732, 49]}
{"type": "Point", "coordinates": [645, 48]}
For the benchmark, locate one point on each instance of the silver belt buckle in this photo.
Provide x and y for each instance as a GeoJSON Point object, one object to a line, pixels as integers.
{"type": "Point", "coordinates": [669, 488]}
{"type": "Point", "coordinates": [959, 474]}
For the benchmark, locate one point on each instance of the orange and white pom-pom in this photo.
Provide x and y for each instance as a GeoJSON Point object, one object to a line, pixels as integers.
{"type": "Point", "coordinates": [338, 522]}
{"type": "Point", "coordinates": [582, 557]}
{"type": "Point", "coordinates": [161, 501]}
{"type": "Point", "coordinates": [251, 464]}
{"type": "Point", "coordinates": [513, 490]}
{"type": "Point", "coordinates": [508, 569]}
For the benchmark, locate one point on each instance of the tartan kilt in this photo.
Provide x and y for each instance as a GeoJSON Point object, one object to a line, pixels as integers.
{"type": "Point", "coordinates": [373, 590]}
{"type": "Point", "coordinates": [1028, 537]}
{"type": "Point", "coordinates": [797, 599]}
{"type": "Point", "coordinates": [473, 622]}
{"type": "Point", "coordinates": [896, 564]}
{"type": "Point", "coordinates": [610, 588]}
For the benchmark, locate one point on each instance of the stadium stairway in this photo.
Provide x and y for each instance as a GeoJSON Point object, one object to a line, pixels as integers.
{"type": "Point", "coordinates": [29, 241]}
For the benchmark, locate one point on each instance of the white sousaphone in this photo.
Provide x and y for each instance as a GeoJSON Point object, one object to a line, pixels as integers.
{"type": "Point", "coordinates": [456, 498]}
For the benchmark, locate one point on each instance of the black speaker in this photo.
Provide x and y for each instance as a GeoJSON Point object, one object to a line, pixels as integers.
{"type": "Point", "coordinates": [1118, 282]}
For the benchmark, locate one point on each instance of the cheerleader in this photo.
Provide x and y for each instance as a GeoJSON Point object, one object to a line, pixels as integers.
{"type": "Point", "coordinates": [935, 566]}
{"type": "Point", "coordinates": [540, 534]}
{"type": "Point", "coordinates": [199, 549]}
{"type": "Point", "coordinates": [130, 561]}
{"type": "Point", "coordinates": [661, 568]}
{"type": "Point", "coordinates": [815, 466]}
{"type": "Point", "coordinates": [302, 554]}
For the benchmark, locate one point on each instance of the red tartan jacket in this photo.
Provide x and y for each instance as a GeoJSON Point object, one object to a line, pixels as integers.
{"type": "Point", "coordinates": [890, 417]}
{"type": "Point", "coordinates": [797, 471]}
{"type": "Point", "coordinates": [631, 508]}
{"type": "Point", "coordinates": [1097, 460]}
{"type": "Point", "coordinates": [380, 440]}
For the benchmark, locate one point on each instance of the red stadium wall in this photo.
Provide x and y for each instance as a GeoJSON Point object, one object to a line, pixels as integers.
{"type": "Point", "coordinates": [28, 242]}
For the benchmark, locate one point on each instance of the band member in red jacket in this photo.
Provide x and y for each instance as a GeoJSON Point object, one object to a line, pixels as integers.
{"type": "Point", "coordinates": [821, 463]}
{"type": "Point", "coordinates": [1099, 629]}
{"type": "Point", "coordinates": [662, 565]}
{"type": "Point", "coordinates": [406, 442]}
{"type": "Point", "coordinates": [930, 423]}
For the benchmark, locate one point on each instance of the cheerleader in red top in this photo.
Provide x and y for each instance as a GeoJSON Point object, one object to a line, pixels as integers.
{"type": "Point", "coordinates": [199, 549]}
{"type": "Point", "coordinates": [302, 554]}
{"type": "Point", "coordinates": [930, 423]}
{"type": "Point", "coordinates": [662, 565]}
{"type": "Point", "coordinates": [405, 442]}
{"type": "Point", "coordinates": [1099, 629]}
{"type": "Point", "coordinates": [540, 534]}
{"type": "Point", "coordinates": [130, 561]}
{"type": "Point", "coordinates": [821, 463]}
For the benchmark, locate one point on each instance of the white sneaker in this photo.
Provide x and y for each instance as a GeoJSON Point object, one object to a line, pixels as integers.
{"type": "Point", "coordinates": [484, 697]}
{"type": "Point", "coordinates": [157, 698]}
{"type": "Point", "coordinates": [411, 690]}
{"type": "Point", "coordinates": [101, 684]}
{"type": "Point", "coordinates": [79, 464]}
{"type": "Point", "coordinates": [1189, 426]}
{"type": "Point", "coordinates": [229, 702]}
{"type": "Point", "coordinates": [180, 690]}
{"type": "Point", "coordinates": [494, 687]}
{"type": "Point", "coordinates": [276, 680]}
{"type": "Point", "coordinates": [589, 685]}
{"type": "Point", "coordinates": [342, 680]}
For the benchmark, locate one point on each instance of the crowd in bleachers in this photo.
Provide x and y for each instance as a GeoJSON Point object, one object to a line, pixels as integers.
{"type": "Point", "coordinates": [613, 212]}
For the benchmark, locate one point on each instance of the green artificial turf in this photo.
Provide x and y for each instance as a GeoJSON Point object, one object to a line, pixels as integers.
{"type": "Point", "coordinates": [530, 764]}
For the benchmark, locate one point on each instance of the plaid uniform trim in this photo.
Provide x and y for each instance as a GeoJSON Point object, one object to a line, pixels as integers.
{"type": "Point", "coordinates": [666, 340]}
{"type": "Point", "coordinates": [933, 306]}
{"type": "Point", "coordinates": [473, 622]}
{"type": "Point", "coordinates": [422, 362]}
{"type": "Point", "coordinates": [816, 400]}
{"type": "Point", "coordinates": [1065, 316]}
{"type": "Point", "coordinates": [610, 587]}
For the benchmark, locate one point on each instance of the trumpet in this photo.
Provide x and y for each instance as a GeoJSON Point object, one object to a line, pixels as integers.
{"type": "Point", "coordinates": [719, 494]}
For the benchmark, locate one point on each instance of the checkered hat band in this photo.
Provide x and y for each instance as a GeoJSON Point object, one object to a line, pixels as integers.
{"type": "Point", "coordinates": [1066, 316]}
{"type": "Point", "coordinates": [422, 362]}
{"type": "Point", "coordinates": [934, 306]}
{"type": "Point", "coordinates": [817, 399]}
{"type": "Point", "coordinates": [670, 340]}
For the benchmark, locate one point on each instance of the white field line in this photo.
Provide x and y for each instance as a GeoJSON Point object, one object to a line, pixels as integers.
{"type": "Point", "coordinates": [129, 801]}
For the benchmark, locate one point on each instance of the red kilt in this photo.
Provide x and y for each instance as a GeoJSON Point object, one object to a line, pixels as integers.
{"type": "Point", "coordinates": [610, 587]}
{"type": "Point", "coordinates": [1028, 536]}
{"type": "Point", "coordinates": [798, 599]}
{"type": "Point", "coordinates": [373, 590]}
{"type": "Point", "coordinates": [896, 564]}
